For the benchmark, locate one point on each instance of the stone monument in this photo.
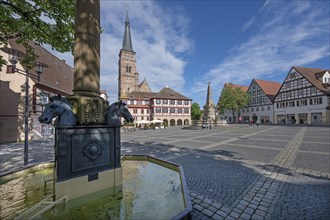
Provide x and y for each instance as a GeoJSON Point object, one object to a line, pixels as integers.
{"type": "Point", "coordinates": [87, 153]}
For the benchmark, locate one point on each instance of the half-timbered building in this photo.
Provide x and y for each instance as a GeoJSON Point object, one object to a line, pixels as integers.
{"type": "Point", "coordinates": [304, 97]}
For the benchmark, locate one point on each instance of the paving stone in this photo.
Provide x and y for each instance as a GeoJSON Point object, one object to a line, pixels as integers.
{"type": "Point", "coordinates": [235, 215]}
{"type": "Point", "coordinates": [225, 209]}
{"type": "Point", "coordinates": [212, 209]}
{"type": "Point", "coordinates": [243, 202]}
{"type": "Point", "coordinates": [198, 207]}
{"type": "Point", "coordinates": [263, 208]}
{"type": "Point", "coordinates": [237, 210]}
{"type": "Point", "coordinates": [200, 197]}
{"type": "Point", "coordinates": [205, 205]}
{"type": "Point", "coordinates": [208, 201]}
{"type": "Point", "coordinates": [252, 206]}
{"type": "Point", "coordinates": [257, 217]}
{"type": "Point", "coordinates": [245, 216]}
{"type": "Point", "coordinates": [260, 212]}
{"type": "Point", "coordinates": [207, 212]}
{"type": "Point", "coordinates": [216, 205]}
{"type": "Point", "coordinates": [197, 201]}
{"type": "Point", "coordinates": [217, 217]}
{"type": "Point", "coordinates": [249, 211]}
{"type": "Point", "coordinates": [241, 207]}
{"type": "Point", "coordinates": [193, 194]}
{"type": "Point", "coordinates": [221, 213]}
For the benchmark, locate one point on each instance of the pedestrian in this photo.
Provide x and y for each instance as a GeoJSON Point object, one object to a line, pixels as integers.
{"type": "Point", "coordinates": [257, 122]}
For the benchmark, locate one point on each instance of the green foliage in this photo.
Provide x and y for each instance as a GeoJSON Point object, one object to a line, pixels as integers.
{"type": "Point", "coordinates": [232, 98]}
{"type": "Point", "coordinates": [196, 112]}
{"type": "Point", "coordinates": [43, 21]}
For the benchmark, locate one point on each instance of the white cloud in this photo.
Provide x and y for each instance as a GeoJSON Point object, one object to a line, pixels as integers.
{"type": "Point", "coordinates": [291, 34]}
{"type": "Point", "coordinates": [159, 38]}
{"type": "Point", "coordinates": [248, 23]}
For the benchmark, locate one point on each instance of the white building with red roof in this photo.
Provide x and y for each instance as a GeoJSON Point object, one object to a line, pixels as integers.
{"type": "Point", "coordinates": [261, 109]}
{"type": "Point", "coordinates": [304, 97]}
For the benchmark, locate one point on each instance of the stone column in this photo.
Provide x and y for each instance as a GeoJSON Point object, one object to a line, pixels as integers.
{"type": "Point", "coordinates": [87, 104]}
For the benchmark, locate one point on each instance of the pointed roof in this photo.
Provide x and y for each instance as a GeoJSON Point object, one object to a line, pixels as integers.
{"type": "Point", "coordinates": [144, 87]}
{"type": "Point", "coordinates": [311, 75]}
{"type": "Point", "coordinates": [127, 41]}
{"type": "Point", "coordinates": [168, 93]}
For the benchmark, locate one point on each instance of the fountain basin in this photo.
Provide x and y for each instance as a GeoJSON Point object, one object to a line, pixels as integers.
{"type": "Point", "coordinates": [151, 189]}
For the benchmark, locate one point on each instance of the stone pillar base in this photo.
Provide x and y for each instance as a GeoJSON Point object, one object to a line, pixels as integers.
{"type": "Point", "coordinates": [88, 110]}
{"type": "Point", "coordinates": [85, 185]}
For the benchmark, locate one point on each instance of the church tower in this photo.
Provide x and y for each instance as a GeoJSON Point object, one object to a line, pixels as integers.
{"type": "Point", "coordinates": [128, 77]}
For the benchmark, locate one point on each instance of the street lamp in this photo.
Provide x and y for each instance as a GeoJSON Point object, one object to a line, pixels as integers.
{"type": "Point", "coordinates": [13, 55]}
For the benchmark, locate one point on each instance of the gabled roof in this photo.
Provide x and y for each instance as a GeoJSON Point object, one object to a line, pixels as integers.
{"type": "Point", "coordinates": [244, 88]}
{"type": "Point", "coordinates": [144, 87]}
{"type": "Point", "coordinates": [141, 95]}
{"type": "Point", "coordinates": [270, 88]}
{"type": "Point", "coordinates": [311, 75]}
{"type": "Point", "coordinates": [57, 77]}
{"type": "Point", "coordinates": [168, 93]}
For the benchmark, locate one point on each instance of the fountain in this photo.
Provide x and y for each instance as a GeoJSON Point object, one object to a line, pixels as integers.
{"type": "Point", "coordinates": [89, 179]}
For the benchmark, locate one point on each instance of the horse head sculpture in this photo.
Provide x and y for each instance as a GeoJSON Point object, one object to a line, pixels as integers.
{"type": "Point", "coordinates": [58, 107]}
{"type": "Point", "coordinates": [115, 111]}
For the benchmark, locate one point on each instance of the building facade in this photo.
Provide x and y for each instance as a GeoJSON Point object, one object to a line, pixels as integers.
{"type": "Point", "coordinates": [171, 107]}
{"type": "Point", "coordinates": [260, 108]}
{"type": "Point", "coordinates": [57, 78]}
{"type": "Point", "coordinates": [167, 105]}
{"type": "Point", "coordinates": [304, 97]}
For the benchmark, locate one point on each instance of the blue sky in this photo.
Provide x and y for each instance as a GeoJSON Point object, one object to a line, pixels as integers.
{"type": "Point", "coordinates": [186, 44]}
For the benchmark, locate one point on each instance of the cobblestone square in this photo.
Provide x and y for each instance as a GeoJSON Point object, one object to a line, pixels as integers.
{"type": "Point", "coordinates": [232, 172]}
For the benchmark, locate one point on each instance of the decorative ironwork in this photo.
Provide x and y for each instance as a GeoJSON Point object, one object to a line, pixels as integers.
{"type": "Point", "coordinates": [92, 151]}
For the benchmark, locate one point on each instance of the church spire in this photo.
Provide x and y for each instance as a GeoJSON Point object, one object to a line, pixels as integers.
{"type": "Point", "coordinates": [127, 41]}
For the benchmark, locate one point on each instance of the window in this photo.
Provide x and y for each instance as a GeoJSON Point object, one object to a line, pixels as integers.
{"type": "Point", "coordinates": [157, 101]}
{"type": "Point", "coordinates": [165, 102]}
{"type": "Point", "coordinates": [262, 108]}
{"type": "Point", "coordinates": [268, 107]}
{"type": "Point", "coordinates": [135, 111]}
{"type": "Point", "coordinates": [158, 110]}
{"type": "Point", "coordinates": [186, 102]}
{"type": "Point", "coordinates": [165, 110]}
{"type": "Point", "coordinates": [142, 118]}
{"type": "Point", "coordinates": [10, 69]}
{"type": "Point", "coordinates": [172, 102]}
{"type": "Point", "coordinates": [313, 89]}
{"type": "Point", "coordinates": [179, 110]}
{"type": "Point", "coordinates": [252, 109]}
{"type": "Point", "coordinates": [128, 68]}
{"type": "Point", "coordinates": [291, 104]}
{"type": "Point", "coordinates": [297, 103]}
{"type": "Point", "coordinates": [186, 110]}
{"type": "Point", "coordinates": [299, 82]}
{"type": "Point", "coordinates": [179, 102]}
{"type": "Point", "coordinates": [243, 110]}
{"type": "Point", "coordinates": [142, 111]}
{"type": "Point", "coordinates": [172, 110]}
{"type": "Point", "coordinates": [257, 109]}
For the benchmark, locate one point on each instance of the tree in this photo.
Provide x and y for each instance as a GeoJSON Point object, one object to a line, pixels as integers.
{"type": "Point", "coordinates": [196, 112]}
{"type": "Point", "coordinates": [43, 21]}
{"type": "Point", "coordinates": [232, 98]}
